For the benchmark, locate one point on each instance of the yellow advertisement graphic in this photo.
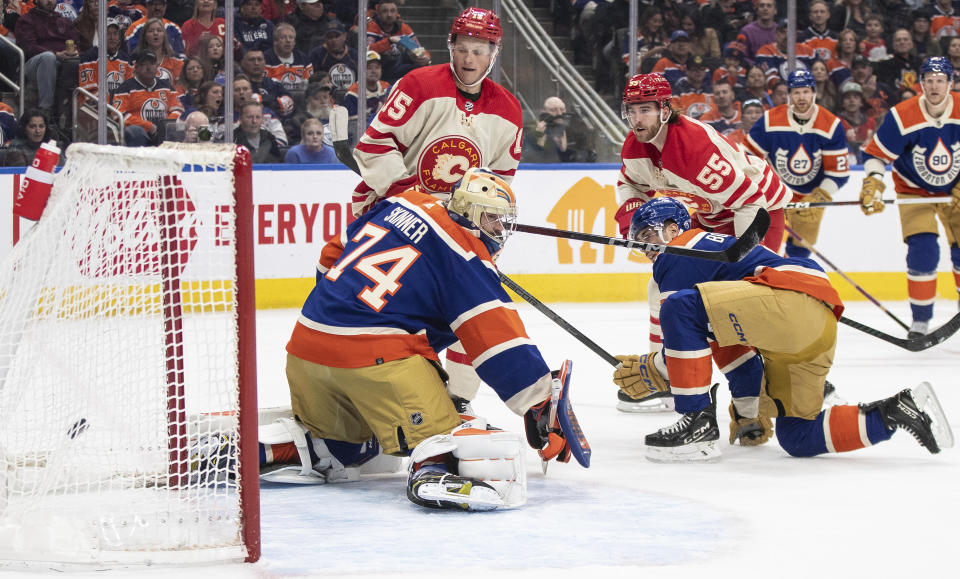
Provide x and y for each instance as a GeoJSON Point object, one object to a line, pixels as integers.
{"type": "Point", "coordinates": [578, 210]}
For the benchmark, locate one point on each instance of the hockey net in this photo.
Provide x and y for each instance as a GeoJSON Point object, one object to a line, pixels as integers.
{"type": "Point", "coordinates": [127, 363]}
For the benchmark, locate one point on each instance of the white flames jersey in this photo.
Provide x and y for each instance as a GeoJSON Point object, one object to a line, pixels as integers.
{"type": "Point", "coordinates": [428, 134]}
{"type": "Point", "coordinates": [701, 168]}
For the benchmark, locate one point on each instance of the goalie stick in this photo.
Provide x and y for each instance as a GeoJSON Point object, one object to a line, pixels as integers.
{"type": "Point", "coordinates": [744, 245]}
{"type": "Point", "coordinates": [567, 326]}
{"type": "Point", "coordinates": [920, 201]}
{"type": "Point", "coordinates": [916, 344]}
{"type": "Point", "coordinates": [569, 425]}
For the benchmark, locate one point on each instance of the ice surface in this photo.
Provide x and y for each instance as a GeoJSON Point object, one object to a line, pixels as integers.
{"type": "Point", "coordinates": [885, 511]}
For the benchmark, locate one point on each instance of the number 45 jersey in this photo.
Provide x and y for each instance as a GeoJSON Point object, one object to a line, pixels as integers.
{"type": "Point", "coordinates": [406, 280]}
{"type": "Point", "coordinates": [692, 162]}
{"type": "Point", "coordinates": [806, 155]}
{"type": "Point", "coordinates": [925, 152]}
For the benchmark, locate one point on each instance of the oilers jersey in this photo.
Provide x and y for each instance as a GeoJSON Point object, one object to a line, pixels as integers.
{"type": "Point", "coordinates": [382, 293]}
{"type": "Point", "coordinates": [925, 152]}
{"type": "Point", "coordinates": [673, 273]}
{"type": "Point", "coordinates": [427, 134]}
{"type": "Point", "coordinates": [802, 155]}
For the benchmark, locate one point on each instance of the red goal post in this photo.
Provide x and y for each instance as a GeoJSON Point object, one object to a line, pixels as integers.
{"type": "Point", "coordinates": [128, 409]}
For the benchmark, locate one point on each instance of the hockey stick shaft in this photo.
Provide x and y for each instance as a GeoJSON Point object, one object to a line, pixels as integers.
{"type": "Point", "coordinates": [919, 201]}
{"type": "Point", "coordinates": [750, 238]}
{"type": "Point", "coordinates": [530, 299]}
{"type": "Point", "coordinates": [855, 285]}
{"type": "Point", "coordinates": [916, 344]}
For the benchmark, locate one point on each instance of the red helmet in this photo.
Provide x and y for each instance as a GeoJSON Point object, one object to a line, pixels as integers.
{"type": "Point", "coordinates": [645, 88]}
{"type": "Point", "coordinates": [477, 23]}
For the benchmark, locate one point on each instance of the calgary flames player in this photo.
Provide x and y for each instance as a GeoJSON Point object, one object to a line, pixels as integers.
{"type": "Point", "coordinates": [438, 122]}
{"type": "Point", "coordinates": [441, 120]}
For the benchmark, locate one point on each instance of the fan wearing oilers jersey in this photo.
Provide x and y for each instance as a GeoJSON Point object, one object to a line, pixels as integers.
{"type": "Point", "coordinates": [362, 360]}
{"type": "Point", "coordinates": [920, 137]}
{"type": "Point", "coordinates": [437, 122]}
{"type": "Point", "coordinates": [783, 309]}
{"type": "Point", "coordinates": [671, 154]}
{"type": "Point", "coordinates": [806, 145]}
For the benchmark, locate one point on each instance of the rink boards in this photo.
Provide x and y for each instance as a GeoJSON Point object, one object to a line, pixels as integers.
{"type": "Point", "coordinates": [299, 208]}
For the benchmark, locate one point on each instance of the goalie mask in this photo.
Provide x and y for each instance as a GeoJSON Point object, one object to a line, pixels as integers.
{"type": "Point", "coordinates": [483, 203]}
{"type": "Point", "coordinates": [656, 213]}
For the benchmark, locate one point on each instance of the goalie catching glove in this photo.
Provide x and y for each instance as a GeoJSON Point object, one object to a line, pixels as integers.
{"type": "Point", "coordinates": [639, 377]}
{"type": "Point", "coordinates": [871, 194]}
{"type": "Point", "coordinates": [551, 426]}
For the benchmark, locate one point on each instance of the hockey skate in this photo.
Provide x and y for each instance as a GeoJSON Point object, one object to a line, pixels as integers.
{"type": "Point", "coordinates": [918, 412]}
{"type": "Point", "coordinates": [918, 330]}
{"type": "Point", "coordinates": [438, 489]}
{"type": "Point", "coordinates": [693, 438]}
{"type": "Point", "coordinates": [658, 402]}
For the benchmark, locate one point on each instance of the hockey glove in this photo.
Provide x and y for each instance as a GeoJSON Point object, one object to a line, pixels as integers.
{"type": "Point", "coordinates": [811, 215]}
{"type": "Point", "coordinates": [871, 194]}
{"type": "Point", "coordinates": [749, 431]}
{"type": "Point", "coordinates": [625, 214]}
{"type": "Point", "coordinates": [545, 435]}
{"type": "Point", "coordinates": [639, 378]}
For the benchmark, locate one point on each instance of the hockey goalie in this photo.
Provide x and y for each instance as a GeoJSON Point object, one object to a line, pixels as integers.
{"type": "Point", "coordinates": [362, 362]}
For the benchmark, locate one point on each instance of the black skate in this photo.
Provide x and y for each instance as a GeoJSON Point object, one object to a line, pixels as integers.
{"type": "Point", "coordinates": [693, 438]}
{"type": "Point", "coordinates": [919, 413]}
{"type": "Point", "coordinates": [436, 489]}
{"type": "Point", "coordinates": [657, 402]}
{"type": "Point", "coordinates": [918, 330]}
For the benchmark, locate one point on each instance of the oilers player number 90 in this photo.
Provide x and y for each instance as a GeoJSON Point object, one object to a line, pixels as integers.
{"type": "Point", "coordinates": [712, 175]}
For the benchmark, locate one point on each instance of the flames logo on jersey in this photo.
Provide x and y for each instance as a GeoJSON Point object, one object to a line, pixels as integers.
{"type": "Point", "coordinates": [444, 161]}
{"type": "Point", "coordinates": [799, 168]}
{"type": "Point", "coordinates": [941, 166]}
{"type": "Point", "coordinates": [153, 110]}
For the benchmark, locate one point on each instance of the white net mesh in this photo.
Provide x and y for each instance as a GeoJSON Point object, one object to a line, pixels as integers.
{"type": "Point", "coordinates": [119, 364]}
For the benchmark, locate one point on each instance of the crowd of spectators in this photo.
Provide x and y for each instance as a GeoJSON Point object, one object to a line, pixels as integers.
{"type": "Point", "coordinates": [295, 61]}
{"type": "Point", "coordinates": [720, 55]}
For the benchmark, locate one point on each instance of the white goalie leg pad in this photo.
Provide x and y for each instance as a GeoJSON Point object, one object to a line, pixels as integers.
{"type": "Point", "coordinates": [463, 379]}
{"type": "Point", "coordinates": [286, 430]}
{"type": "Point", "coordinates": [495, 457]}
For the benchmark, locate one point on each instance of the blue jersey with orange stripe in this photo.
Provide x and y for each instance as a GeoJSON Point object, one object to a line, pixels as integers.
{"type": "Point", "coordinates": [406, 280]}
{"type": "Point", "coordinates": [802, 155]}
{"type": "Point", "coordinates": [925, 152]}
{"type": "Point", "coordinates": [673, 273]}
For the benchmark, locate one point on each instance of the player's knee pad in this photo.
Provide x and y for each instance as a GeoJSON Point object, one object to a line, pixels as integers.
{"type": "Point", "coordinates": [923, 252]}
{"type": "Point", "coordinates": [495, 457]}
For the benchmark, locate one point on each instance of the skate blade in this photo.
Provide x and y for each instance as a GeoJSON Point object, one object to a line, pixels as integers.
{"type": "Point", "coordinates": [927, 402]}
{"type": "Point", "coordinates": [646, 407]}
{"type": "Point", "coordinates": [479, 499]}
{"type": "Point", "coordinates": [697, 452]}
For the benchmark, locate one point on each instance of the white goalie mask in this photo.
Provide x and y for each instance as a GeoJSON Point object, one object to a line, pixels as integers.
{"type": "Point", "coordinates": [482, 201]}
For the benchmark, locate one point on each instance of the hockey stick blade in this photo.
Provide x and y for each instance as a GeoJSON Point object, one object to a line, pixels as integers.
{"type": "Point", "coordinates": [924, 342]}
{"type": "Point", "coordinates": [750, 238]}
{"type": "Point", "coordinates": [569, 425]}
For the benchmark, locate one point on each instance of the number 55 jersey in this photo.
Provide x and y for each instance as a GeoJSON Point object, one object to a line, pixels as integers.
{"type": "Point", "coordinates": [692, 162]}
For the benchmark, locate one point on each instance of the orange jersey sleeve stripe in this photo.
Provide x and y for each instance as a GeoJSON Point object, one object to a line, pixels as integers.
{"type": "Point", "coordinates": [490, 329]}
